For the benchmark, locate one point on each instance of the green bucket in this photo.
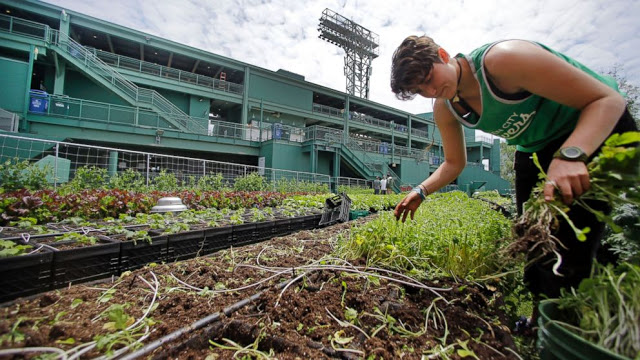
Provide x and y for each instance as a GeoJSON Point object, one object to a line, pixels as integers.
{"type": "Point", "coordinates": [556, 342]}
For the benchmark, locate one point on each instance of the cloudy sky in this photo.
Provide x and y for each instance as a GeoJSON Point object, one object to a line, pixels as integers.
{"type": "Point", "coordinates": [282, 34]}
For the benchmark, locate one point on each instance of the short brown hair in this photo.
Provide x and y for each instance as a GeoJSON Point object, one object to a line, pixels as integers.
{"type": "Point", "coordinates": [411, 63]}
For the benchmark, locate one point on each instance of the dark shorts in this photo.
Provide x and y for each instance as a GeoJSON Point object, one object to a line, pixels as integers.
{"type": "Point", "coordinates": [579, 255]}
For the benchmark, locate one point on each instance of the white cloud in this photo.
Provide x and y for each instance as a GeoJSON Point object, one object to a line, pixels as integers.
{"type": "Point", "coordinates": [282, 34]}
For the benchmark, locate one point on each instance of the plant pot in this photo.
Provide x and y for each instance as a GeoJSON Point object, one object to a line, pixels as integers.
{"type": "Point", "coordinates": [26, 274]}
{"type": "Point", "coordinates": [556, 342]}
{"type": "Point", "coordinates": [184, 245]}
{"type": "Point", "coordinates": [134, 256]}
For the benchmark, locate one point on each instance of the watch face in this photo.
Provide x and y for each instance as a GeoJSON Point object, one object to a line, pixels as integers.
{"type": "Point", "coordinates": [571, 152]}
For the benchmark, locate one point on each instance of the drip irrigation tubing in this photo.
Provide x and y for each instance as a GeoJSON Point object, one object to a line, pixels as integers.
{"type": "Point", "coordinates": [200, 323]}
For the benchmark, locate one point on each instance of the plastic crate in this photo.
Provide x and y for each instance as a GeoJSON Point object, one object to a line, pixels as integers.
{"type": "Point", "coordinates": [84, 264]}
{"type": "Point", "coordinates": [185, 245]}
{"type": "Point", "coordinates": [336, 209]}
{"type": "Point", "coordinates": [263, 231]}
{"type": "Point", "coordinates": [217, 239]}
{"type": "Point", "coordinates": [312, 221]}
{"type": "Point", "coordinates": [297, 224]}
{"type": "Point", "coordinates": [281, 227]}
{"type": "Point", "coordinates": [26, 274]}
{"type": "Point", "coordinates": [142, 253]}
{"type": "Point", "coordinates": [243, 234]}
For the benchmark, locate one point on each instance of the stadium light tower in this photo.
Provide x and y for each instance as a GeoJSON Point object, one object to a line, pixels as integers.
{"type": "Point", "coordinates": [360, 46]}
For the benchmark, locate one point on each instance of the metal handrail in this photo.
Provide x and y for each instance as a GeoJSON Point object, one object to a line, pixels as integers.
{"type": "Point", "coordinates": [22, 27]}
{"type": "Point", "coordinates": [144, 67]}
{"type": "Point", "coordinates": [139, 95]}
{"type": "Point", "coordinates": [353, 146]}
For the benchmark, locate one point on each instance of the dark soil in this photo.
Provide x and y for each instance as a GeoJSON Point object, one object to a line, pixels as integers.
{"type": "Point", "coordinates": [326, 313]}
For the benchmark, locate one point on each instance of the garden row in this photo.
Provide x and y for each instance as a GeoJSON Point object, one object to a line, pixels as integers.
{"type": "Point", "coordinates": [295, 296]}
{"type": "Point", "coordinates": [35, 257]}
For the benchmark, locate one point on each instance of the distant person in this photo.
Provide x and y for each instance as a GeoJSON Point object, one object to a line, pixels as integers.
{"type": "Point", "coordinates": [42, 87]}
{"type": "Point", "coordinates": [376, 186]}
{"type": "Point", "coordinates": [538, 99]}
{"type": "Point", "coordinates": [389, 184]}
{"type": "Point", "coordinates": [383, 186]}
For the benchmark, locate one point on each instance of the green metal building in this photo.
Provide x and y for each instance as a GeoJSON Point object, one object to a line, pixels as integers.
{"type": "Point", "coordinates": [71, 77]}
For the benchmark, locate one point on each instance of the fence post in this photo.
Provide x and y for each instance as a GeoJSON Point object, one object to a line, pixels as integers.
{"type": "Point", "coordinates": [55, 167]}
{"type": "Point", "coordinates": [148, 169]}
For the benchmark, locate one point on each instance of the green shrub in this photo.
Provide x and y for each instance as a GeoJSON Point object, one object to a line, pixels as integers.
{"type": "Point", "coordinates": [16, 175]}
{"type": "Point", "coordinates": [88, 178]}
{"type": "Point", "coordinates": [128, 180]}
{"type": "Point", "coordinates": [251, 182]}
{"type": "Point", "coordinates": [165, 181]}
{"type": "Point", "coordinates": [211, 183]}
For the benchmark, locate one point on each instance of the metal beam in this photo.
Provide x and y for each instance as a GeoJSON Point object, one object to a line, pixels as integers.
{"type": "Point", "coordinates": [195, 66]}
{"type": "Point", "coordinates": [110, 44]}
{"type": "Point", "coordinates": [170, 59]}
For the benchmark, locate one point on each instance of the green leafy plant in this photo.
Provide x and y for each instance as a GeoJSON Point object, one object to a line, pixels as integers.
{"type": "Point", "coordinates": [211, 182]}
{"type": "Point", "coordinates": [14, 335]}
{"type": "Point", "coordinates": [251, 182]}
{"type": "Point", "coordinates": [605, 308]}
{"type": "Point", "coordinates": [120, 334]}
{"type": "Point", "coordinates": [165, 181]}
{"type": "Point", "coordinates": [626, 243]}
{"type": "Point", "coordinates": [88, 177]}
{"type": "Point", "coordinates": [451, 234]}
{"type": "Point", "coordinates": [128, 180]}
{"type": "Point", "coordinates": [9, 248]}
{"type": "Point", "coordinates": [615, 179]}
{"type": "Point", "coordinates": [77, 237]}
{"type": "Point", "coordinates": [16, 174]}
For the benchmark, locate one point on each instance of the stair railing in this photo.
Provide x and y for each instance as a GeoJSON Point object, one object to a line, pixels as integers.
{"type": "Point", "coordinates": [149, 97]}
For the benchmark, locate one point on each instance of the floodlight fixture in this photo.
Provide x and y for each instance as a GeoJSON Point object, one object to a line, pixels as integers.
{"type": "Point", "coordinates": [359, 44]}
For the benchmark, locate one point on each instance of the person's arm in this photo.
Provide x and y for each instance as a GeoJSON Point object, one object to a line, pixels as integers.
{"type": "Point", "coordinates": [455, 159]}
{"type": "Point", "coordinates": [519, 65]}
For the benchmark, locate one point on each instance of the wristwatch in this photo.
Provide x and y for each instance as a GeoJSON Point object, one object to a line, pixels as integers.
{"type": "Point", "coordinates": [418, 190]}
{"type": "Point", "coordinates": [571, 153]}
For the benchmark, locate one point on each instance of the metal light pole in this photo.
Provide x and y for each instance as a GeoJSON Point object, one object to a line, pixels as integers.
{"type": "Point", "coordinates": [360, 46]}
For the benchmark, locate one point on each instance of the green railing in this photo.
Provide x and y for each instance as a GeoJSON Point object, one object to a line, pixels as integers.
{"type": "Point", "coordinates": [369, 120]}
{"type": "Point", "coordinates": [420, 133]}
{"type": "Point", "coordinates": [143, 67]}
{"type": "Point", "coordinates": [64, 106]}
{"type": "Point", "coordinates": [68, 46]}
{"type": "Point", "coordinates": [325, 134]}
{"type": "Point", "coordinates": [22, 27]}
{"type": "Point", "coordinates": [328, 110]}
{"type": "Point", "coordinates": [137, 95]}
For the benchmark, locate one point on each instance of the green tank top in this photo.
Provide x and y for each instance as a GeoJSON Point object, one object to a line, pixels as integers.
{"type": "Point", "coordinates": [531, 122]}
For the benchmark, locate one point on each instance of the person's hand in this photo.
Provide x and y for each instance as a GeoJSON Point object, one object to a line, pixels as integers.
{"type": "Point", "coordinates": [407, 206]}
{"type": "Point", "coordinates": [571, 178]}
